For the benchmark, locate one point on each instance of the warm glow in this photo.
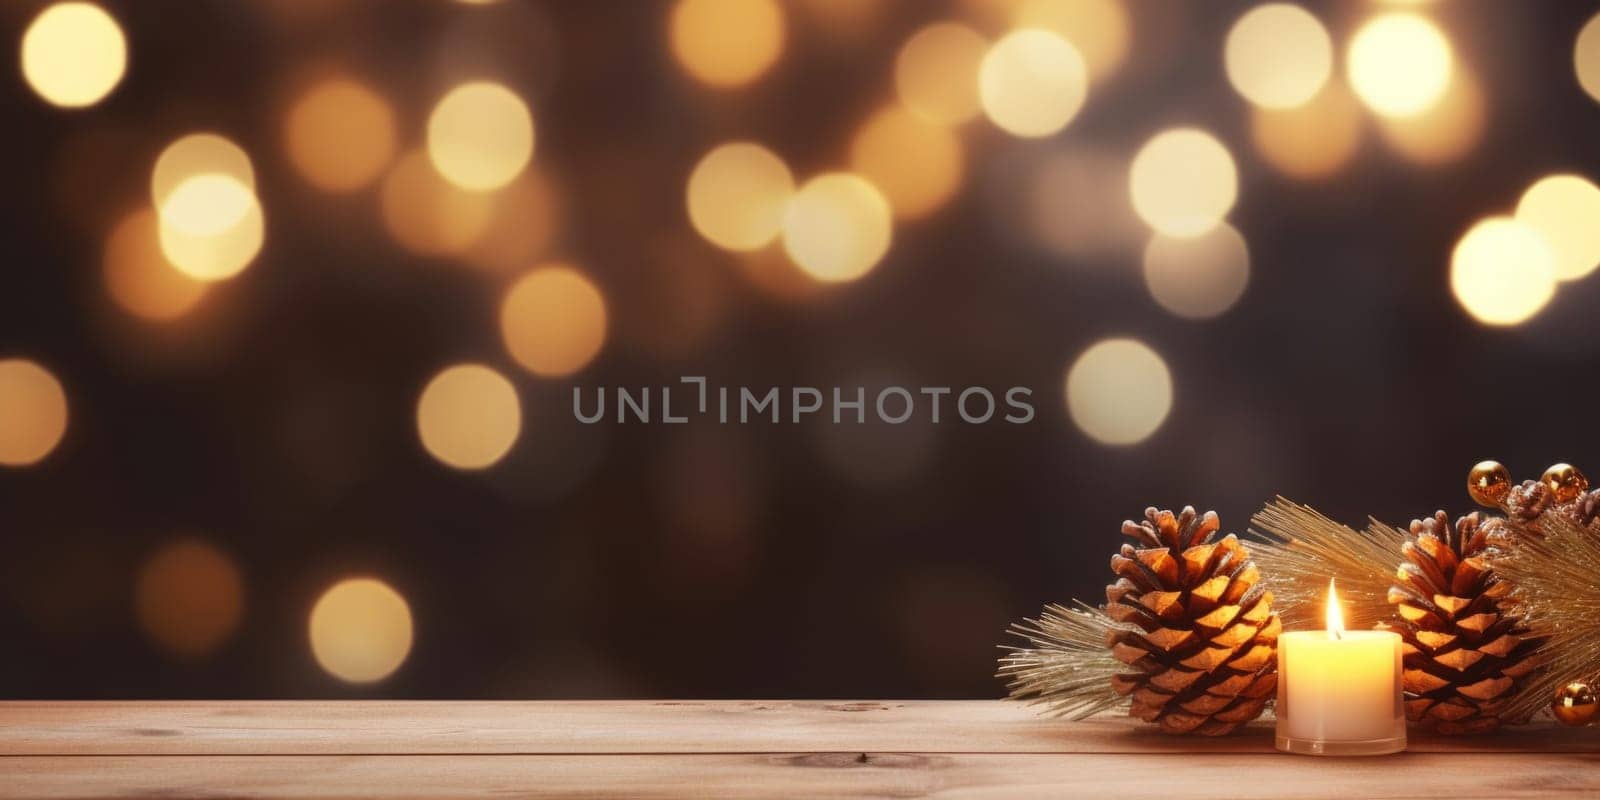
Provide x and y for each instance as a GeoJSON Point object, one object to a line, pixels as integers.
{"type": "Point", "coordinates": [727, 43]}
{"type": "Point", "coordinates": [138, 276]}
{"type": "Point", "coordinates": [936, 72]}
{"type": "Point", "coordinates": [1078, 206]}
{"type": "Point", "coordinates": [207, 205]}
{"type": "Point", "coordinates": [361, 630]}
{"type": "Point", "coordinates": [1278, 55]}
{"type": "Point", "coordinates": [525, 222]}
{"type": "Point", "coordinates": [189, 598]}
{"type": "Point", "coordinates": [480, 136]}
{"type": "Point", "coordinates": [1119, 391]}
{"type": "Point", "coordinates": [1399, 64]}
{"type": "Point", "coordinates": [1334, 618]}
{"type": "Point", "coordinates": [737, 195]}
{"type": "Point", "coordinates": [837, 227]}
{"type": "Point", "coordinates": [1309, 141]}
{"type": "Point", "coordinates": [33, 412]}
{"type": "Point", "coordinates": [1586, 57]}
{"type": "Point", "coordinates": [198, 154]}
{"type": "Point", "coordinates": [1097, 28]}
{"type": "Point", "coordinates": [1032, 83]}
{"type": "Point", "coordinates": [340, 135]}
{"type": "Point", "coordinates": [1565, 209]}
{"type": "Point", "coordinates": [553, 321]}
{"type": "Point", "coordinates": [1446, 131]}
{"type": "Point", "coordinates": [1502, 271]}
{"type": "Point", "coordinates": [469, 416]}
{"type": "Point", "coordinates": [74, 54]}
{"type": "Point", "coordinates": [1197, 277]}
{"type": "Point", "coordinates": [193, 236]}
{"type": "Point", "coordinates": [1183, 182]}
{"type": "Point", "coordinates": [427, 214]}
{"type": "Point", "coordinates": [917, 164]}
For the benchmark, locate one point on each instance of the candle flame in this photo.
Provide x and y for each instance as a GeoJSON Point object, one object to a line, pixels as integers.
{"type": "Point", "coordinates": [1335, 619]}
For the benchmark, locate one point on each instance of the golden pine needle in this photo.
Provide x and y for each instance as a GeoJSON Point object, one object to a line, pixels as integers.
{"type": "Point", "coordinates": [1067, 668]}
{"type": "Point", "coordinates": [1556, 588]}
{"type": "Point", "coordinates": [1299, 550]}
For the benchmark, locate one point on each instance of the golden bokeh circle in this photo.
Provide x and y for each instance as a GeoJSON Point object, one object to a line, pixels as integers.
{"type": "Point", "coordinates": [1183, 182]}
{"type": "Point", "coordinates": [361, 630]}
{"type": "Point", "coordinates": [1565, 210]}
{"type": "Point", "coordinates": [74, 54]}
{"type": "Point", "coordinates": [189, 597]}
{"type": "Point", "coordinates": [935, 72]}
{"type": "Point", "coordinates": [1032, 82]}
{"type": "Point", "coordinates": [726, 43]}
{"type": "Point", "coordinates": [1119, 391]}
{"type": "Point", "coordinates": [138, 276]}
{"type": "Point", "coordinates": [340, 135]}
{"type": "Point", "coordinates": [33, 412]}
{"type": "Point", "coordinates": [737, 194]}
{"type": "Point", "coordinates": [1313, 140]}
{"type": "Point", "coordinates": [427, 214]}
{"type": "Point", "coordinates": [1502, 271]}
{"type": "Point", "coordinates": [1399, 64]}
{"type": "Point", "coordinates": [1586, 57]}
{"type": "Point", "coordinates": [469, 416]}
{"type": "Point", "coordinates": [1099, 29]}
{"type": "Point", "coordinates": [837, 227]}
{"type": "Point", "coordinates": [917, 164]}
{"type": "Point", "coordinates": [553, 321]}
{"type": "Point", "coordinates": [480, 136]}
{"type": "Point", "coordinates": [1198, 277]}
{"type": "Point", "coordinates": [195, 154]}
{"type": "Point", "coordinates": [1277, 55]}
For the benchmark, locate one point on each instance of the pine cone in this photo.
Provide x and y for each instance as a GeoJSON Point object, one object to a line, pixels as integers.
{"type": "Point", "coordinates": [1202, 637]}
{"type": "Point", "coordinates": [1464, 653]}
{"type": "Point", "coordinates": [1526, 502]}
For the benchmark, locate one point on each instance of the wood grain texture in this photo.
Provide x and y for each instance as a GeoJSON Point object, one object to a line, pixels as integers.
{"type": "Point", "coordinates": [604, 727]}
{"type": "Point", "coordinates": [722, 748]}
{"type": "Point", "coordinates": [1123, 777]}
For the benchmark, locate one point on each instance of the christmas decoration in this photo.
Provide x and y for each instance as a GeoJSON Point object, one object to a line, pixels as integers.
{"type": "Point", "coordinates": [1189, 627]}
{"type": "Point", "coordinates": [1575, 704]}
{"type": "Point", "coordinates": [1299, 550]}
{"type": "Point", "coordinates": [1464, 653]}
{"type": "Point", "coordinates": [1552, 563]}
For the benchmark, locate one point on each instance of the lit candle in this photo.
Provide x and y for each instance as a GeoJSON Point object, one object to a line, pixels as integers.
{"type": "Point", "coordinates": [1339, 690]}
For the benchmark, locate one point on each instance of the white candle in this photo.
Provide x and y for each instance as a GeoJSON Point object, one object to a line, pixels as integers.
{"type": "Point", "coordinates": [1339, 691]}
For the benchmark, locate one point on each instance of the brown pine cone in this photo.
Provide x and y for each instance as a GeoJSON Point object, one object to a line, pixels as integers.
{"type": "Point", "coordinates": [1464, 653]}
{"type": "Point", "coordinates": [1204, 644]}
{"type": "Point", "coordinates": [1526, 502]}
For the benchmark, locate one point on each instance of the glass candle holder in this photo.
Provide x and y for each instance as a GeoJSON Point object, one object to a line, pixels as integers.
{"type": "Point", "coordinates": [1339, 695]}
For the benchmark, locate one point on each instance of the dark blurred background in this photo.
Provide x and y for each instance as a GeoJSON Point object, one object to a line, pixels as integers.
{"type": "Point", "coordinates": [229, 458]}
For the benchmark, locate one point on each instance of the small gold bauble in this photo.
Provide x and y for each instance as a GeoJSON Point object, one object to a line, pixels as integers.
{"type": "Point", "coordinates": [1575, 704]}
{"type": "Point", "coordinates": [1565, 482]}
{"type": "Point", "coordinates": [1489, 482]}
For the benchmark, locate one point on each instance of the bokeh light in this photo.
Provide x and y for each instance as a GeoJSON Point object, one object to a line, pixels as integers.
{"type": "Point", "coordinates": [1197, 277]}
{"type": "Point", "coordinates": [917, 164]}
{"type": "Point", "coordinates": [138, 276]}
{"type": "Point", "coordinates": [1032, 83]}
{"type": "Point", "coordinates": [936, 72]}
{"type": "Point", "coordinates": [1313, 140]}
{"type": "Point", "coordinates": [1399, 64]}
{"type": "Point", "coordinates": [480, 136]}
{"type": "Point", "coordinates": [525, 222]}
{"type": "Point", "coordinates": [340, 135]}
{"type": "Point", "coordinates": [1278, 55]}
{"type": "Point", "coordinates": [1586, 57]}
{"type": "Point", "coordinates": [1183, 182]}
{"type": "Point", "coordinates": [553, 321]}
{"type": "Point", "coordinates": [196, 154]}
{"type": "Point", "coordinates": [33, 412]}
{"type": "Point", "coordinates": [212, 227]}
{"type": "Point", "coordinates": [1119, 391]}
{"type": "Point", "coordinates": [727, 43]}
{"type": "Point", "coordinates": [207, 205]}
{"type": "Point", "coordinates": [74, 54]}
{"type": "Point", "coordinates": [361, 630]}
{"type": "Point", "coordinates": [737, 194]}
{"type": "Point", "coordinates": [1565, 210]}
{"type": "Point", "coordinates": [837, 227]}
{"type": "Point", "coordinates": [1502, 271]}
{"type": "Point", "coordinates": [1446, 131]}
{"type": "Point", "coordinates": [469, 416]}
{"type": "Point", "coordinates": [1099, 29]}
{"type": "Point", "coordinates": [189, 597]}
{"type": "Point", "coordinates": [427, 214]}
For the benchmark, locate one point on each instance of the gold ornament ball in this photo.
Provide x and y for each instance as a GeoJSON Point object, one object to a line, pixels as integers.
{"type": "Point", "coordinates": [1565, 482]}
{"type": "Point", "coordinates": [1489, 482]}
{"type": "Point", "coordinates": [1575, 704]}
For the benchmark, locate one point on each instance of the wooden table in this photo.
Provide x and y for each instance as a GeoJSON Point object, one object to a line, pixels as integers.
{"type": "Point", "coordinates": [977, 748]}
